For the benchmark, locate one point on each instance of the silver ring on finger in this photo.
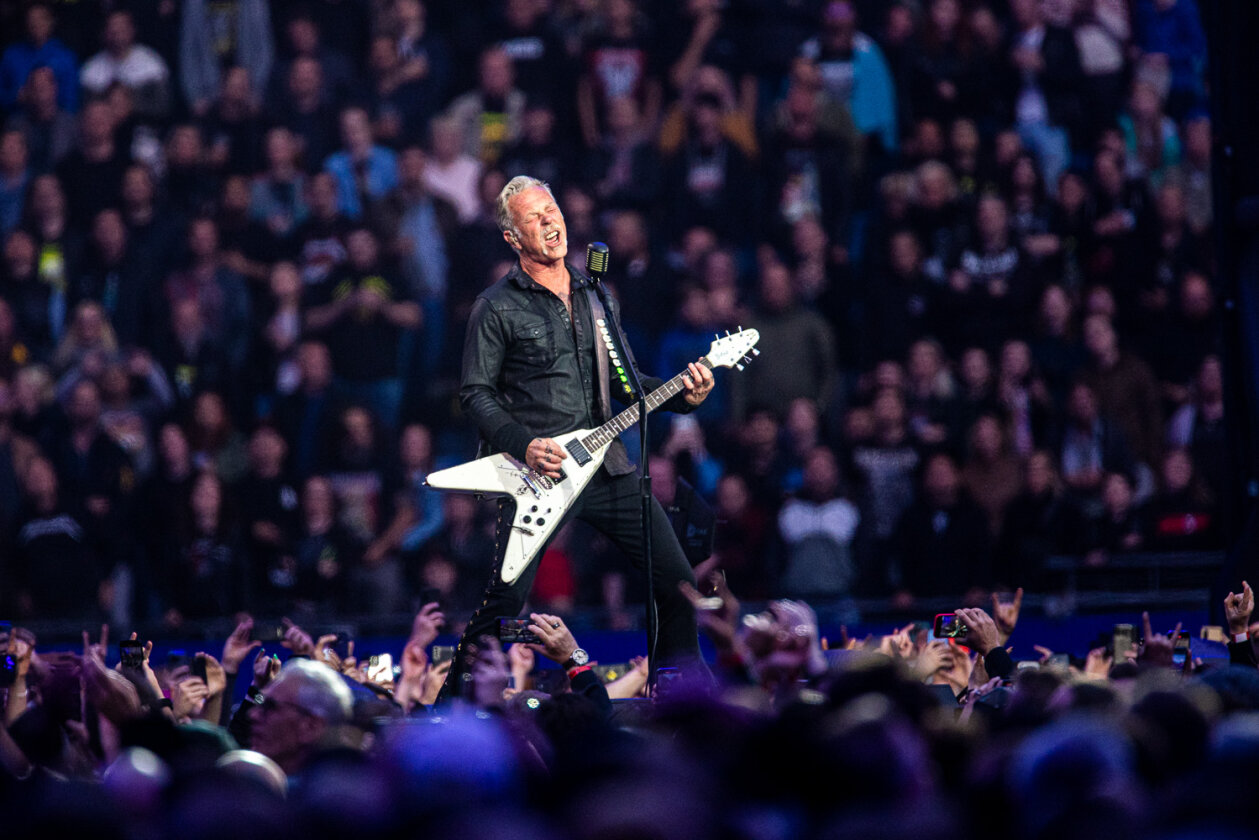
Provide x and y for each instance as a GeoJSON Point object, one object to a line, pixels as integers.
{"type": "Point", "coordinates": [555, 625]}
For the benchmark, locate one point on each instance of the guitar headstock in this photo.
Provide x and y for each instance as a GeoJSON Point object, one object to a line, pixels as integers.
{"type": "Point", "coordinates": [732, 349]}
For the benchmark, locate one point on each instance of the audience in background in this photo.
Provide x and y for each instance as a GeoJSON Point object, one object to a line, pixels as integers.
{"type": "Point", "coordinates": [240, 242]}
{"type": "Point", "coordinates": [973, 235]}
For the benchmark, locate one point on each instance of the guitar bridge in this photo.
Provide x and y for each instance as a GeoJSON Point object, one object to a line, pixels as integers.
{"type": "Point", "coordinates": [530, 480]}
{"type": "Point", "coordinates": [537, 483]}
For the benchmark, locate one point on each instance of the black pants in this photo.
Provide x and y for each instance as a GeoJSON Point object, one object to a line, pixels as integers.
{"type": "Point", "coordinates": [611, 504]}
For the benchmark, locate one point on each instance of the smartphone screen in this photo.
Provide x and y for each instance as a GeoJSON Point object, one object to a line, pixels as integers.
{"type": "Point", "coordinates": [380, 668]}
{"type": "Point", "coordinates": [948, 626]}
{"type": "Point", "coordinates": [1122, 641]}
{"type": "Point", "coordinates": [132, 653]}
{"type": "Point", "coordinates": [267, 631]}
{"type": "Point", "coordinates": [516, 630]}
{"type": "Point", "coordinates": [1180, 649]}
{"type": "Point", "coordinates": [442, 653]}
{"type": "Point", "coordinates": [198, 666]}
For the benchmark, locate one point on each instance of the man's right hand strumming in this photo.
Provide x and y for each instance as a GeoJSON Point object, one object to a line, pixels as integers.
{"type": "Point", "coordinates": [544, 455]}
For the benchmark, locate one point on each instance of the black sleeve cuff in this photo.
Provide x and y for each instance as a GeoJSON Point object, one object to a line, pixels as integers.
{"type": "Point", "coordinates": [1242, 653]}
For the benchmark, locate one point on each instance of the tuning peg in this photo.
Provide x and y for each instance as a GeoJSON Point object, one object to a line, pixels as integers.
{"type": "Point", "coordinates": [716, 336]}
{"type": "Point", "coordinates": [738, 367]}
{"type": "Point", "coordinates": [740, 328]}
{"type": "Point", "coordinates": [755, 352]}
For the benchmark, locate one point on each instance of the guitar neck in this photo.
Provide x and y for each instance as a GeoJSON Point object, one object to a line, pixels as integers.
{"type": "Point", "coordinates": [609, 431]}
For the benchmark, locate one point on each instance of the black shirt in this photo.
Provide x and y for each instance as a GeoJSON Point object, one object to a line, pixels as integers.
{"type": "Point", "coordinates": [57, 564]}
{"type": "Point", "coordinates": [90, 185]}
{"type": "Point", "coordinates": [529, 370]}
{"type": "Point", "coordinates": [364, 344]}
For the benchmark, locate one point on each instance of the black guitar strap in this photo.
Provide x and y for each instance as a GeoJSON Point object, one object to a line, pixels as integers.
{"type": "Point", "coordinates": [603, 346]}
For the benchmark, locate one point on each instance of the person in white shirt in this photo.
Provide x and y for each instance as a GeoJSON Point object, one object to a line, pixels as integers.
{"type": "Point", "coordinates": [134, 65]}
{"type": "Point", "coordinates": [451, 173]}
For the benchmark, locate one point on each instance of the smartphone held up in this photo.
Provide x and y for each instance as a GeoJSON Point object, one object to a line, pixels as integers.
{"type": "Point", "coordinates": [949, 626]}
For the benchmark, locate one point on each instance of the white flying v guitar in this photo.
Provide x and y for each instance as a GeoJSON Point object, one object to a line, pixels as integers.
{"type": "Point", "coordinates": [541, 502]}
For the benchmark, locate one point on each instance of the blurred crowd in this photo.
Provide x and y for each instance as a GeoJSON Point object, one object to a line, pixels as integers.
{"type": "Point", "coordinates": [241, 240]}
{"type": "Point", "coordinates": [901, 735]}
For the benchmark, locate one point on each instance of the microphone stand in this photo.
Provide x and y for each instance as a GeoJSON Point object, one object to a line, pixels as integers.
{"type": "Point", "coordinates": [644, 480]}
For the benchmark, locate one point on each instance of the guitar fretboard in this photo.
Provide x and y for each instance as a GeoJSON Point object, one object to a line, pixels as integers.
{"type": "Point", "coordinates": [608, 432]}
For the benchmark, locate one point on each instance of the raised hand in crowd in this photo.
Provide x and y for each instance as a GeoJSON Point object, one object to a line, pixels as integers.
{"type": "Point", "coordinates": [1238, 607]}
{"type": "Point", "coordinates": [216, 686]}
{"type": "Point", "coordinates": [799, 638]}
{"type": "Point", "coordinates": [408, 690]}
{"type": "Point", "coordinates": [898, 645]}
{"type": "Point", "coordinates": [784, 643]}
{"type": "Point", "coordinates": [955, 673]}
{"type": "Point", "coordinates": [717, 615]}
{"type": "Point", "coordinates": [427, 624]}
{"type": "Point", "coordinates": [933, 658]}
{"type": "Point", "coordinates": [100, 648]}
{"type": "Point", "coordinates": [984, 635]}
{"type": "Point", "coordinates": [1238, 610]}
{"type": "Point", "coordinates": [521, 660]}
{"type": "Point", "coordinates": [376, 673]}
{"type": "Point", "coordinates": [112, 694]}
{"type": "Point", "coordinates": [434, 679]}
{"type": "Point", "coordinates": [1006, 614]}
{"type": "Point", "coordinates": [1156, 649]}
{"type": "Point", "coordinates": [349, 663]}
{"type": "Point", "coordinates": [558, 643]}
{"type": "Point", "coordinates": [1098, 663]}
{"type": "Point", "coordinates": [977, 691]}
{"type": "Point", "coordinates": [326, 653]}
{"type": "Point", "coordinates": [780, 644]}
{"type": "Point", "coordinates": [238, 646]}
{"type": "Point", "coordinates": [188, 697]}
{"type": "Point", "coordinates": [758, 634]}
{"type": "Point", "coordinates": [302, 644]}
{"type": "Point", "coordinates": [490, 674]}
{"type": "Point", "coordinates": [142, 676]}
{"type": "Point", "coordinates": [298, 640]}
{"type": "Point", "coordinates": [978, 675]}
{"type": "Point", "coordinates": [266, 669]}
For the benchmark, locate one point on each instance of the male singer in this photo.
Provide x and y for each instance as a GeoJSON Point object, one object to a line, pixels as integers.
{"type": "Point", "coordinates": [529, 372]}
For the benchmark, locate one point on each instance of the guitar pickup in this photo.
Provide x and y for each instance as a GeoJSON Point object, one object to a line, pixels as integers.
{"type": "Point", "coordinates": [579, 453]}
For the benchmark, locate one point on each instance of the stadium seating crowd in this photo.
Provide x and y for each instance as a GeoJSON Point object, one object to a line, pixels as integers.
{"type": "Point", "coordinates": [241, 240]}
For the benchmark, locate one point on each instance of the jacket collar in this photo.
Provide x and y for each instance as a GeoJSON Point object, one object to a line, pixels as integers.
{"type": "Point", "coordinates": [521, 278]}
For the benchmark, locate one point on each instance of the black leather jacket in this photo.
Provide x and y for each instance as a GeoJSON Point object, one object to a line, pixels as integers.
{"type": "Point", "coordinates": [528, 372]}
